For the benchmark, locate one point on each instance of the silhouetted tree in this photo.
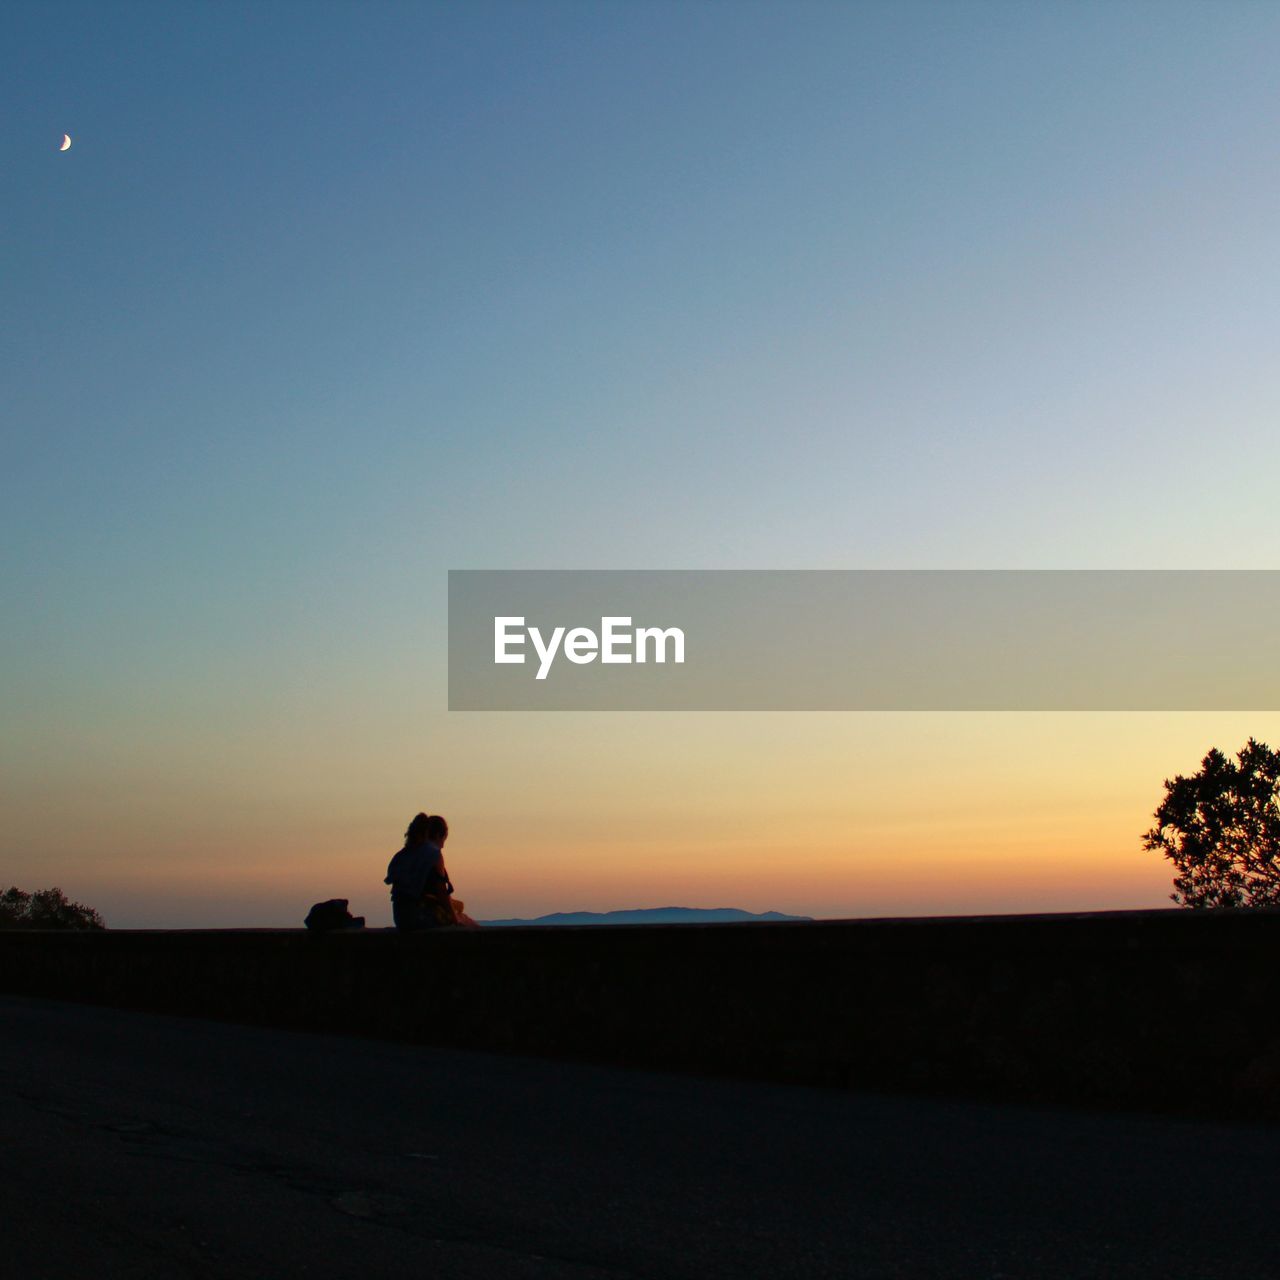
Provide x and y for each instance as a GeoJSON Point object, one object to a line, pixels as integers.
{"type": "Point", "coordinates": [45, 909]}
{"type": "Point", "coordinates": [1221, 830]}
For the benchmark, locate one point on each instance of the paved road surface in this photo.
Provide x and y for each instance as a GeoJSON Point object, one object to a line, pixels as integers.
{"type": "Point", "coordinates": [140, 1146]}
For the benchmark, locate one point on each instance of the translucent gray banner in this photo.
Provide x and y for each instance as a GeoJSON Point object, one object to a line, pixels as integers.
{"type": "Point", "coordinates": [861, 640]}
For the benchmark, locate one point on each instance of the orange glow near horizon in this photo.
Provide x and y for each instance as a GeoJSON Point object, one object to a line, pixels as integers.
{"type": "Point", "coordinates": [822, 815]}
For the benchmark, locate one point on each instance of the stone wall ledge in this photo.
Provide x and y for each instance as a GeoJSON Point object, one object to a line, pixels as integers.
{"type": "Point", "coordinates": [1170, 1010]}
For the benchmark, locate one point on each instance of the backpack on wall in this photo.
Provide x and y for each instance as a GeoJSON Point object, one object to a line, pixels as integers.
{"type": "Point", "coordinates": [327, 916]}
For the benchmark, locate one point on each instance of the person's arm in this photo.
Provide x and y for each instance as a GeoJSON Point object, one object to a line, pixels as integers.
{"type": "Point", "coordinates": [437, 876]}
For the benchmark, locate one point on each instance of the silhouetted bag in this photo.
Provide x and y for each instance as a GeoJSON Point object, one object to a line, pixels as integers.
{"type": "Point", "coordinates": [327, 916]}
{"type": "Point", "coordinates": [439, 908]}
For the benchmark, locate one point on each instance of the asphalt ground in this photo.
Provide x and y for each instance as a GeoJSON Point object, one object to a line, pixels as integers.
{"type": "Point", "coordinates": [134, 1145]}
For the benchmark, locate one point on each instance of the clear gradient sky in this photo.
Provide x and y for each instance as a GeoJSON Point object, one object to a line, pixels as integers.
{"type": "Point", "coordinates": [327, 299]}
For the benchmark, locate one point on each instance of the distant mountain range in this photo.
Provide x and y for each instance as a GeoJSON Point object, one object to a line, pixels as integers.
{"type": "Point", "coordinates": [654, 915]}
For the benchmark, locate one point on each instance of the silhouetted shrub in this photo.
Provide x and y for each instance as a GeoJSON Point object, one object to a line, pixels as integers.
{"type": "Point", "coordinates": [45, 909]}
{"type": "Point", "coordinates": [1221, 830]}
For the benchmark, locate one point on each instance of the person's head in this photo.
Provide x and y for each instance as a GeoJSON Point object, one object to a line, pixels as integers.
{"type": "Point", "coordinates": [437, 830]}
{"type": "Point", "coordinates": [417, 831]}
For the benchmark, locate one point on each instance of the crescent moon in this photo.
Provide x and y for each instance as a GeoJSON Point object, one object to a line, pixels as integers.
{"type": "Point", "coordinates": [66, 142]}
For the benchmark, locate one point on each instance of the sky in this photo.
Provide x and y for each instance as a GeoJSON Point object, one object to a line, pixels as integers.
{"type": "Point", "coordinates": [328, 299]}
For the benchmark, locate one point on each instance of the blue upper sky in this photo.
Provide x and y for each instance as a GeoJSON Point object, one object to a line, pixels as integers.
{"type": "Point", "coordinates": [321, 286]}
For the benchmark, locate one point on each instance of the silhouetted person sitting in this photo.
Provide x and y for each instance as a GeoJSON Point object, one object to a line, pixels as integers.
{"type": "Point", "coordinates": [440, 900]}
{"type": "Point", "coordinates": [437, 898]}
{"type": "Point", "coordinates": [417, 877]}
